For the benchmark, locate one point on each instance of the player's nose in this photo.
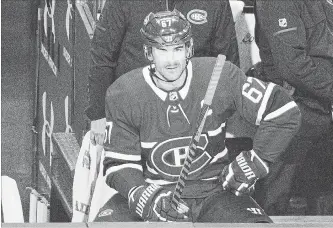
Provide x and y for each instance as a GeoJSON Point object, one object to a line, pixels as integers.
{"type": "Point", "coordinates": [170, 57]}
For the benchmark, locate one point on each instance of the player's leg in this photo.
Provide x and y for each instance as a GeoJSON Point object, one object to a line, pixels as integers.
{"type": "Point", "coordinates": [225, 207]}
{"type": "Point", "coordinates": [274, 191]}
{"type": "Point", "coordinates": [316, 175]}
{"type": "Point", "coordinates": [115, 210]}
{"type": "Point", "coordinates": [286, 177]}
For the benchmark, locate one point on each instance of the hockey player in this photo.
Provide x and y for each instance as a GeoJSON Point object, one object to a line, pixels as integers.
{"type": "Point", "coordinates": [154, 111]}
{"type": "Point", "coordinates": [116, 47]}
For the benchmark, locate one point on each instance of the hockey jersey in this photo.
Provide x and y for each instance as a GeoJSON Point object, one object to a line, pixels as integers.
{"type": "Point", "coordinates": [151, 128]}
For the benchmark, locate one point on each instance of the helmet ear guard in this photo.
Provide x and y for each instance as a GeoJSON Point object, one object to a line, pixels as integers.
{"type": "Point", "coordinates": [189, 49]}
{"type": "Point", "coordinates": [147, 50]}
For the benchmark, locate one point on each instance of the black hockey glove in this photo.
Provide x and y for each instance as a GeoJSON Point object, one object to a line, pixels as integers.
{"type": "Point", "coordinates": [153, 203]}
{"type": "Point", "coordinates": [256, 71]}
{"type": "Point", "coordinates": [241, 174]}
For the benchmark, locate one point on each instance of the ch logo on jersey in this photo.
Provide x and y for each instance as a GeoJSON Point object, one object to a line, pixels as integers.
{"type": "Point", "coordinates": [197, 16]}
{"type": "Point", "coordinates": [169, 156]}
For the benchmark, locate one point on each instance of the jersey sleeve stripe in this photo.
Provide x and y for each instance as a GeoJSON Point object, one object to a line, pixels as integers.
{"type": "Point", "coordinates": [120, 156]}
{"type": "Point", "coordinates": [254, 155]}
{"type": "Point", "coordinates": [164, 182]}
{"type": "Point", "coordinates": [264, 102]}
{"type": "Point", "coordinates": [216, 131]}
{"type": "Point", "coordinates": [280, 111]}
{"type": "Point", "coordinates": [159, 182]}
{"type": "Point", "coordinates": [113, 169]}
{"type": "Point", "coordinates": [148, 145]}
{"type": "Point", "coordinates": [211, 178]}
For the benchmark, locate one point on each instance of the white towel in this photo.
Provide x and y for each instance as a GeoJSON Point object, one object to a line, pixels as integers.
{"type": "Point", "coordinates": [90, 192]}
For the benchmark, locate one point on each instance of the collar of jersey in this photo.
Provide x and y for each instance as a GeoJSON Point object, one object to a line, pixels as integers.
{"type": "Point", "coordinates": [162, 94]}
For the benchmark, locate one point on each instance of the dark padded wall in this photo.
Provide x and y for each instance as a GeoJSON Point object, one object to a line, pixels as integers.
{"type": "Point", "coordinates": [17, 84]}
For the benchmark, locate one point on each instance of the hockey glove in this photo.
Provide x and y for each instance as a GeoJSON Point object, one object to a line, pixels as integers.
{"type": "Point", "coordinates": [153, 203]}
{"type": "Point", "coordinates": [256, 71]}
{"type": "Point", "coordinates": [241, 174]}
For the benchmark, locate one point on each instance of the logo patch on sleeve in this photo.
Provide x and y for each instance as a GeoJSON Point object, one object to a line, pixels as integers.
{"type": "Point", "coordinates": [197, 16]}
{"type": "Point", "coordinates": [106, 212]}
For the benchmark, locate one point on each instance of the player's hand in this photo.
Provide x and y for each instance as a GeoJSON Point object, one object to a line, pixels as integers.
{"type": "Point", "coordinates": [97, 131]}
{"type": "Point", "coordinates": [153, 203]}
{"type": "Point", "coordinates": [241, 174]}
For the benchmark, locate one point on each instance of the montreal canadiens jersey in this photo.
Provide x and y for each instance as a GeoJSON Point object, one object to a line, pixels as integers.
{"type": "Point", "coordinates": [149, 129]}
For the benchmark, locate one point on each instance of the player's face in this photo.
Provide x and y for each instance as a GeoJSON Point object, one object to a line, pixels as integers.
{"type": "Point", "coordinates": [170, 61]}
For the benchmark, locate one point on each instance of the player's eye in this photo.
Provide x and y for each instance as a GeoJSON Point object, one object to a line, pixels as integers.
{"type": "Point", "coordinates": [161, 48]}
{"type": "Point", "coordinates": [179, 48]}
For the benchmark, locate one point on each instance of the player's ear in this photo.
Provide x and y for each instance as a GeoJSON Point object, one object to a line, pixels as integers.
{"type": "Point", "coordinates": [148, 52]}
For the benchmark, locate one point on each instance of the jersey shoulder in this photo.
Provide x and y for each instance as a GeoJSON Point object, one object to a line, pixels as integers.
{"type": "Point", "coordinates": [202, 63]}
{"type": "Point", "coordinates": [129, 85]}
{"type": "Point", "coordinates": [203, 67]}
{"type": "Point", "coordinates": [126, 96]}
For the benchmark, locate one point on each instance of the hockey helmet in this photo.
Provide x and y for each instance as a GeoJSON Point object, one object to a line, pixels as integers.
{"type": "Point", "coordinates": [166, 28]}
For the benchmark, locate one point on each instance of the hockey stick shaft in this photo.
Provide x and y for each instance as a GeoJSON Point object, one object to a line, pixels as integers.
{"type": "Point", "coordinates": [199, 127]}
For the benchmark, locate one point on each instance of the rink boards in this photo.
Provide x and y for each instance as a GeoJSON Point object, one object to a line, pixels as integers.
{"type": "Point", "coordinates": [280, 221]}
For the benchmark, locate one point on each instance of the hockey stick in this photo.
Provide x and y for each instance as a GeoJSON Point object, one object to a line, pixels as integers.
{"type": "Point", "coordinates": [200, 124]}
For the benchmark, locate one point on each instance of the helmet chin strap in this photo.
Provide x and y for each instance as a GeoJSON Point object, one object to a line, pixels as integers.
{"type": "Point", "coordinates": [153, 72]}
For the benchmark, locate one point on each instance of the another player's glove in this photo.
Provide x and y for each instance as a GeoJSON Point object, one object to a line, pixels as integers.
{"type": "Point", "coordinates": [241, 174]}
{"type": "Point", "coordinates": [153, 203]}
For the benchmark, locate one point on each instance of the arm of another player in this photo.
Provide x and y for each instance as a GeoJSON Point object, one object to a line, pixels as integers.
{"type": "Point", "coordinates": [268, 106]}
{"type": "Point", "coordinates": [224, 40]}
{"type": "Point", "coordinates": [105, 45]}
{"type": "Point", "coordinates": [123, 163]}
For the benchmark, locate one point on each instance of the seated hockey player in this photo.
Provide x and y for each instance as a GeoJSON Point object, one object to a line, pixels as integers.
{"type": "Point", "coordinates": [154, 112]}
